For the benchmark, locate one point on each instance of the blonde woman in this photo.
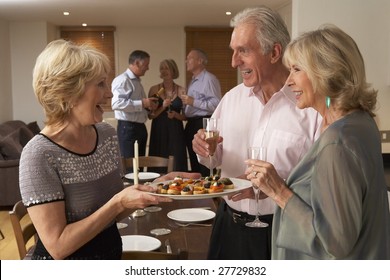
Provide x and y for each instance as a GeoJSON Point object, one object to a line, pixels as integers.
{"type": "Point", "coordinates": [70, 173]}
{"type": "Point", "coordinates": [167, 132]}
{"type": "Point", "coordinates": [334, 203]}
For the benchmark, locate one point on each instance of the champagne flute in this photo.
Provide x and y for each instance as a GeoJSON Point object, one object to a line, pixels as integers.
{"type": "Point", "coordinates": [212, 135]}
{"type": "Point", "coordinates": [180, 94]}
{"type": "Point", "coordinates": [257, 153]}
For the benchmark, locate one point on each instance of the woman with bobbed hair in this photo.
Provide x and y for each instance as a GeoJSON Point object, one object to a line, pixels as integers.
{"type": "Point", "coordinates": [60, 77]}
{"type": "Point", "coordinates": [335, 67]}
{"type": "Point", "coordinates": [167, 130]}
{"type": "Point", "coordinates": [70, 173]}
{"type": "Point", "coordinates": [334, 204]}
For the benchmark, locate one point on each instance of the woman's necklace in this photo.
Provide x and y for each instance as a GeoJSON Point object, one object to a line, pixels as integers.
{"type": "Point", "coordinates": [170, 94]}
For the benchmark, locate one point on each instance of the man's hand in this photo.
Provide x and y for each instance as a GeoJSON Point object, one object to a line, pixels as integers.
{"type": "Point", "coordinates": [199, 144]}
{"type": "Point", "coordinates": [187, 100]}
{"type": "Point", "coordinates": [150, 103]}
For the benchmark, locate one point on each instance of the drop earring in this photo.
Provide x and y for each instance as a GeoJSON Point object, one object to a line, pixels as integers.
{"type": "Point", "coordinates": [327, 102]}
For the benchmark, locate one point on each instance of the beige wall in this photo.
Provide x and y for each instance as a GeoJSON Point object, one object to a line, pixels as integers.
{"type": "Point", "coordinates": [368, 23]}
{"type": "Point", "coordinates": [160, 43]}
{"type": "Point", "coordinates": [5, 73]}
{"type": "Point", "coordinates": [21, 42]}
{"type": "Point", "coordinates": [27, 40]}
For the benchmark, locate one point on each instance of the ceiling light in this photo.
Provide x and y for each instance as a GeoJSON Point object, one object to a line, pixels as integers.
{"type": "Point", "coordinates": [84, 24]}
{"type": "Point", "coordinates": [66, 13]}
{"type": "Point", "coordinates": [228, 13]}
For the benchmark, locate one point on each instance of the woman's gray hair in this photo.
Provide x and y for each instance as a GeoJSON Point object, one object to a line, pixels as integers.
{"type": "Point", "coordinates": [335, 67]}
{"type": "Point", "coordinates": [202, 55]}
{"type": "Point", "coordinates": [270, 27]}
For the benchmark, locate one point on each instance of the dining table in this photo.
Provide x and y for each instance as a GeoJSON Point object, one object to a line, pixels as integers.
{"type": "Point", "coordinates": [193, 238]}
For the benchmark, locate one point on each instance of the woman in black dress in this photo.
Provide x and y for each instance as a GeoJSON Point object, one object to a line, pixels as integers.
{"type": "Point", "coordinates": [167, 131]}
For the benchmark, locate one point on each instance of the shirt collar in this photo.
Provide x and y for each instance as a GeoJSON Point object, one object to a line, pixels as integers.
{"type": "Point", "coordinates": [199, 76]}
{"type": "Point", "coordinates": [285, 90]}
{"type": "Point", "coordinates": [131, 75]}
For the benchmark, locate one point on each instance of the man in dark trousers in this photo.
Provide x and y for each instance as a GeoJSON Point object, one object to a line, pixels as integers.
{"type": "Point", "coordinates": [203, 96]}
{"type": "Point", "coordinates": [130, 105]}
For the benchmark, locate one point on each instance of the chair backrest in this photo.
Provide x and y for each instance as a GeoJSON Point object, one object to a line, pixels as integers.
{"type": "Point", "coordinates": [149, 161]}
{"type": "Point", "coordinates": [153, 255]}
{"type": "Point", "coordinates": [23, 230]}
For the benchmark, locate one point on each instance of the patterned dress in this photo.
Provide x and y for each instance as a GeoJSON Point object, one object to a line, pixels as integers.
{"type": "Point", "coordinates": [85, 182]}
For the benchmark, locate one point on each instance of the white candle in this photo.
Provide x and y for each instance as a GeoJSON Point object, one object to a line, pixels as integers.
{"type": "Point", "coordinates": [135, 171]}
{"type": "Point", "coordinates": [135, 163]}
{"type": "Point", "coordinates": [136, 150]}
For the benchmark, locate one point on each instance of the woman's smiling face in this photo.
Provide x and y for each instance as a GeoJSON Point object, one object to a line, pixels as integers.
{"type": "Point", "coordinates": [88, 109]}
{"type": "Point", "coordinates": [300, 84]}
{"type": "Point", "coordinates": [165, 72]}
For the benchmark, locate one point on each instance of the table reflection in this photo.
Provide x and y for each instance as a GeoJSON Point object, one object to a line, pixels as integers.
{"type": "Point", "coordinates": [195, 239]}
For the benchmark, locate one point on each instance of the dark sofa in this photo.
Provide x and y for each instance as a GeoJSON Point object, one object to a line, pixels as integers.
{"type": "Point", "coordinates": [13, 136]}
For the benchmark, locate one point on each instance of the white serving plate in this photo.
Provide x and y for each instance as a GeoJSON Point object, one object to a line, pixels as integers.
{"type": "Point", "coordinates": [239, 184]}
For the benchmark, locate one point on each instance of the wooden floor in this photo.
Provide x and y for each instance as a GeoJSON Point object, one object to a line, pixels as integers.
{"type": "Point", "coordinates": [8, 247]}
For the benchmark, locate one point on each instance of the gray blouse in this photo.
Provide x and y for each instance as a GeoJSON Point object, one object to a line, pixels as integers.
{"type": "Point", "coordinates": [49, 172]}
{"type": "Point", "coordinates": [339, 209]}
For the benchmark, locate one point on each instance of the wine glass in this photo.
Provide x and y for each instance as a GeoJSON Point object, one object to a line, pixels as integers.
{"type": "Point", "coordinates": [181, 93]}
{"type": "Point", "coordinates": [212, 135]}
{"type": "Point", "coordinates": [170, 105]}
{"type": "Point", "coordinates": [257, 153]}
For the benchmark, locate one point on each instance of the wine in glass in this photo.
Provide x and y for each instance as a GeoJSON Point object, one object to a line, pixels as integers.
{"type": "Point", "coordinates": [212, 135]}
{"type": "Point", "coordinates": [257, 153]}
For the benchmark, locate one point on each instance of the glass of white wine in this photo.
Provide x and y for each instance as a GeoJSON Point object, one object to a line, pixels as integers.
{"type": "Point", "coordinates": [257, 153]}
{"type": "Point", "coordinates": [210, 126]}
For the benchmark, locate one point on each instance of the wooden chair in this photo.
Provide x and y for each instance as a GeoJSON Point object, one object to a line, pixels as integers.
{"type": "Point", "coordinates": [23, 231]}
{"type": "Point", "coordinates": [149, 161]}
{"type": "Point", "coordinates": [153, 255]}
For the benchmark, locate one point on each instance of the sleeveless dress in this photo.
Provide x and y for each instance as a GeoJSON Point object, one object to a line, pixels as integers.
{"type": "Point", "coordinates": [167, 137]}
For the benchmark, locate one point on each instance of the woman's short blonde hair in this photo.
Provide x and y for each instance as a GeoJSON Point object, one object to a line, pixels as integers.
{"type": "Point", "coordinates": [335, 67]}
{"type": "Point", "coordinates": [172, 67]}
{"type": "Point", "coordinates": [60, 74]}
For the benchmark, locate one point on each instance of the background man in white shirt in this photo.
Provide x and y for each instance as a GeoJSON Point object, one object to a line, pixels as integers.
{"type": "Point", "coordinates": [130, 104]}
{"type": "Point", "coordinates": [259, 112]}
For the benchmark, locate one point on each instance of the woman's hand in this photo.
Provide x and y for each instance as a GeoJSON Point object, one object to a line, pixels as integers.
{"type": "Point", "coordinates": [171, 114]}
{"type": "Point", "coordinates": [245, 193]}
{"type": "Point", "coordinates": [264, 175]}
{"type": "Point", "coordinates": [138, 196]}
{"type": "Point", "coordinates": [167, 102]}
